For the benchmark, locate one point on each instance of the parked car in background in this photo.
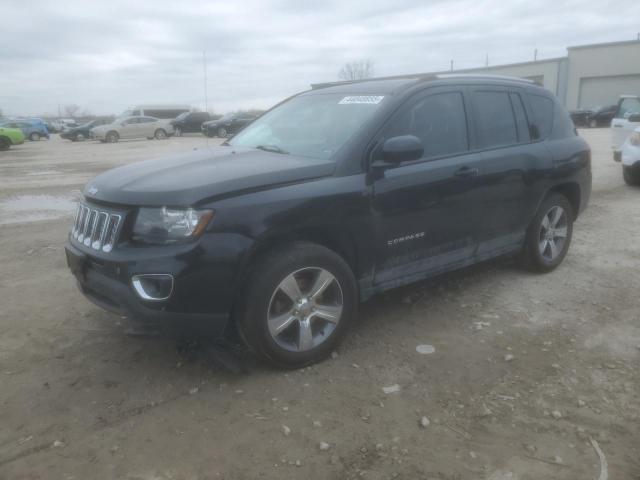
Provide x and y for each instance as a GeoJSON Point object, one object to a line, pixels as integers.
{"type": "Point", "coordinates": [33, 129]}
{"type": "Point", "coordinates": [82, 132]}
{"type": "Point", "coordinates": [631, 158]}
{"type": "Point", "coordinates": [594, 117]}
{"type": "Point", "coordinates": [227, 125]}
{"type": "Point", "coordinates": [334, 195]}
{"type": "Point", "coordinates": [133, 127]}
{"type": "Point", "coordinates": [10, 136]}
{"type": "Point", "coordinates": [157, 111]}
{"type": "Point", "coordinates": [189, 122]}
{"type": "Point", "coordinates": [626, 120]}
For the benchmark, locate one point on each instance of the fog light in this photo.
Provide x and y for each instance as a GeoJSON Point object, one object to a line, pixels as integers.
{"type": "Point", "coordinates": [153, 286]}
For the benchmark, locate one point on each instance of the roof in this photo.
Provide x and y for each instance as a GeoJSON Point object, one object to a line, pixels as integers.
{"type": "Point", "coordinates": [608, 44]}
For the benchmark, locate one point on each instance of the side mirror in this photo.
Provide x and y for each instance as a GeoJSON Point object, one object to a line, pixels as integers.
{"type": "Point", "coordinates": [634, 118]}
{"type": "Point", "coordinates": [402, 149]}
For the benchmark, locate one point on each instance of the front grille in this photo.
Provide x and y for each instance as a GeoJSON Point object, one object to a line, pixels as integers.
{"type": "Point", "coordinates": [96, 228]}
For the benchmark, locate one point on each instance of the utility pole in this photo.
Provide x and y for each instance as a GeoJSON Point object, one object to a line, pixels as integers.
{"type": "Point", "coordinates": [451, 65]}
{"type": "Point", "coordinates": [486, 60]}
{"type": "Point", "coordinates": [535, 55]}
{"type": "Point", "coordinates": [204, 66]}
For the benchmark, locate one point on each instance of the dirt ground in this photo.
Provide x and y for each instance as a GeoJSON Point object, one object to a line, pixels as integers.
{"type": "Point", "coordinates": [527, 369]}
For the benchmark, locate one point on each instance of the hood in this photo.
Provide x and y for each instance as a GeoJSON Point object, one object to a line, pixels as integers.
{"type": "Point", "coordinates": [191, 178]}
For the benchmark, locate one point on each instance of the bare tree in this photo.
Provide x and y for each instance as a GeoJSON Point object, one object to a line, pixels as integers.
{"type": "Point", "coordinates": [356, 70]}
{"type": "Point", "coordinates": [71, 110]}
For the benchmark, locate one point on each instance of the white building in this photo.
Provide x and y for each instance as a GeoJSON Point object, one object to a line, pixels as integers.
{"type": "Point", "coordinates": [589, 76]}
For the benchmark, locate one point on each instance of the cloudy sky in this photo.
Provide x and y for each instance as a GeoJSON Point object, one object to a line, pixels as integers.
{"type": "Point", "coordinates": [107, 55]}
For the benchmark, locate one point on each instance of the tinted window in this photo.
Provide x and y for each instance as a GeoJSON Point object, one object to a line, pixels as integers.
{"type": "Point", "coordinates": [438, 120]}
{"type": "Point", "coordinates": [147, 120]}
{"type": "Point", "coordinates": [495, 121]}
{"type": "Point", "coordinates": [542, 109]}
{"type": "Point", "coordinates": [521, 117]}
{"type": "Point", "coordinates": [131, 121]}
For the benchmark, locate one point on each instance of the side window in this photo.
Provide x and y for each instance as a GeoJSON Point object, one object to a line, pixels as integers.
{"type": "Point", "coordinates": [438, 120]}
{"type": "Point", "coordinates": [542, 109]}
{"type": "Point", "coordinates": [131, 121]}
{"type": "Point", "coordinates": [135, 112]}
{"type": "Point", "coordinates": [521, 117]}
{"type": "Point", "coordinates": [147, 120]}
{"type": "Point", "coordinates": [628, 106]}
{"type": "Point", "coordinates": [494, 119]}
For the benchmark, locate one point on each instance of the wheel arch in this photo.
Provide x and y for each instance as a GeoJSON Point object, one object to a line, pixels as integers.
{"type": "Point", "coordinates": [572, 192]}
{"type": "Point", "coordinates": [340, 244]}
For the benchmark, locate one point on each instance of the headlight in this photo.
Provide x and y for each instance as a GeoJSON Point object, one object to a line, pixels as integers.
{"type": "Point", "coordinates": [634, 139]}
{"type": "Point", "coordinates": [167, 225]}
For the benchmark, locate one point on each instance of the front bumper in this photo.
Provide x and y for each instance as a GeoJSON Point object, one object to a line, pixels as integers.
{"type": "Point", "coordinates": [200, 303]}
{"type": "Point", "coordinates": [630, 154]}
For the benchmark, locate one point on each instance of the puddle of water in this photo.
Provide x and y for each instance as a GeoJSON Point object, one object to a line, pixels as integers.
{"type": "Point", "coordinates": [35, 208]}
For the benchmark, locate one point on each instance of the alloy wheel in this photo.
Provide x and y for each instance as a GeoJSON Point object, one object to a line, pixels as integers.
{"type": "Point", "coordinates": [305, 309]}
{"type": "Point", "coordinates": [553, 233]}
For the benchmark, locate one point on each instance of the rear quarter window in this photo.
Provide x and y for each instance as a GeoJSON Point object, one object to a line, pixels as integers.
{"type": "Point", "coordinates": [542, 110]}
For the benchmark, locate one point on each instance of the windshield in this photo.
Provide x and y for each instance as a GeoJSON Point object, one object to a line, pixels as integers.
{"type": "Point", "coordinates": [313, 126]}
{"type": "Point", "coordinates": [182, 116]}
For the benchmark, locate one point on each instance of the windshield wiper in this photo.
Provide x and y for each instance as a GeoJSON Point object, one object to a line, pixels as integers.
{"type": "Point", "coordinates": [271, 148]}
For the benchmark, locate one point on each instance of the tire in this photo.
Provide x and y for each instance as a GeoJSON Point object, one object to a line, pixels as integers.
{"type": "Point", "coordinates": [209, 134]}
{"type": "Point", "coordinates": [264, 299]}
{"type": "Point", "coordinates": [630, 177]}
{"type": "Point", "coordinates": [4, 144]}
{"type": "Point", "coordinates": [177, 132]}
{"type": "Point", "coordinates": [34, 136]}
{"type": "Point", "coordinates": [111, 137]}
{"type": "Point", "coordinates": [79, 137]}
{"type": "Point", "coordinates": [545, 249]}
{"type": "Point", "coordinates": [593, 123]}
{"type": "Point", "coordinates": [160, 134]}
{"type": "Point", "coordinates": [222, 132]}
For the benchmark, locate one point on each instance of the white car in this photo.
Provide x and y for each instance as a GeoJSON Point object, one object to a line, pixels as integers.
{"type": "Point", "coordinates": [631, 158]}
{"type": "Point", "coordinates": [133, 127]}
{"type": "Point", "coordinates": [626, 120]}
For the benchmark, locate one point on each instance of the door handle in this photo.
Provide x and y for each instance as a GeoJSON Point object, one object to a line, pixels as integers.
{"type": "Point", "coordinates": [467, 172]}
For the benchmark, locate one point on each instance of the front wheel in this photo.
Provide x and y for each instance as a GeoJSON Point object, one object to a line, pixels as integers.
{"type": "Point", "coordinates": [34, 137]}
{"type": "Point", "coordinates": [79, 137]}
{"type": "Point", "coordinates": [298, 304]}
{"type": "Point", "coordinates": [549, 235]}
{"type": "Point", "coordinates": [630, 177]}
{"type": "Point", "coordinates": [4, 144]}
{"type": "Point", "coordinates": [111, 137]}
{"type": "Point", "coordinates": [160, 134]}
{"type": "Point", "coordinates": [593, 123]}
{"type": "Point", "coordinates": [222, 132]}
{"type": "Point", "coordinates": [177, 132]}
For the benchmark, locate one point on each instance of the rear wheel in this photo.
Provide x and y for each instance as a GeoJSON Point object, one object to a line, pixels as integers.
{"type": "Point", "coordinates": [177, 132]}
{"type": "Point", "coordinates": [222, 132]}
{"type": "Point", "coordinates": [549, 235]}
{"type": "Point", "coordinates": [34, 136]}
{"type": "Point", "coordinates": [111, 137]}
{"type": "Point", "coordinates": [297, 305]}
{"type": "Point", "coordinates": [4, 144]}
{"type": "Point", "coordinates": [631, 177]}
{"type": "Point", "coordinates": [593, 123]}
{"type": "Point", "coordinates": [160, 134]}
{"type": "Point", "coordinates": [79, 137]}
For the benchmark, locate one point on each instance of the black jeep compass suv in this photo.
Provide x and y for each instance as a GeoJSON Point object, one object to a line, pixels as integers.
{"type": "Point", "coordinates": [335, 194]}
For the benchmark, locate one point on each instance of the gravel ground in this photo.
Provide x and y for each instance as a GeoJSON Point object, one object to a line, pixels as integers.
{"type": "Point", "coordinates": [521, 376]}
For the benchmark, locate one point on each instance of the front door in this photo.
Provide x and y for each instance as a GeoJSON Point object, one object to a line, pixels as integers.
{"type": "Point", "coordinates": [422, 209]}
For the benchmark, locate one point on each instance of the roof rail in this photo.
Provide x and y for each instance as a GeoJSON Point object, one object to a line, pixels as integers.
{"type": "Point", "coordinates": [416, 76]}
{"type": "Point", "coordinates": [485, 76]}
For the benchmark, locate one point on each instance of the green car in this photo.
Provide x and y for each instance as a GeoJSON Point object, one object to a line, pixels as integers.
{"type": "Point", "coordinates": [10, 136]}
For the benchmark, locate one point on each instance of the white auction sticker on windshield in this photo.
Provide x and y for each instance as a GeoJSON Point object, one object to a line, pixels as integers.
{"type": "Point", "coordinates": [370, 99]}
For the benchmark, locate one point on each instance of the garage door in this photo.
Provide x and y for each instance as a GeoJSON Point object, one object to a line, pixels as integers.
{"type": "Point", "coordinates": [599, 91]}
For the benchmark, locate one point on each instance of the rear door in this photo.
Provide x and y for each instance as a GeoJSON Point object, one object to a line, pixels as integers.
{"type": "Point", "coordinates": [421, 209]}
{"type": "Point", "coordinates": [148, 126]}
{"type": "Point", "coordinates": [505, 193]}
